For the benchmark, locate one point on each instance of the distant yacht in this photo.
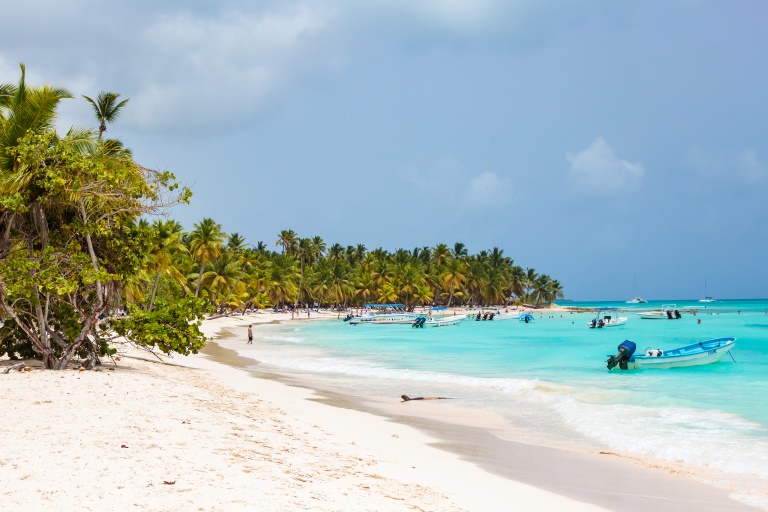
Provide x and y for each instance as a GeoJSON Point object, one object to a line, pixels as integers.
{"type": "Point", "coordinates": [706, 298]}
{"type": "Point", "coordinates": [637, 299]}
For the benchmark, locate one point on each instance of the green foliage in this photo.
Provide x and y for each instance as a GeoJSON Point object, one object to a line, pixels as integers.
{"type": "Point", "coordinates": [13, 342]}
{"type": "Point", "coordinates": [69, 207]}
{"type": "Point", "coordinates": [171, 327]}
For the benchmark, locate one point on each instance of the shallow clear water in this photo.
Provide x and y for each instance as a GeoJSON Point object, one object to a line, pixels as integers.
{"type": "Point", "coordinates": [548, 378]}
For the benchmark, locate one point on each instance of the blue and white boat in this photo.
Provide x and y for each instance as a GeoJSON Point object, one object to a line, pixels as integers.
{"type": "Point", "coordinates": [695, 354]}
{"type": "Point", "coordinates": [526, 317]}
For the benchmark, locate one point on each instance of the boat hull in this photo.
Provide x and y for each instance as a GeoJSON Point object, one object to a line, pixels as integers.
{"type": "Point", "coordinates": [614, 322]}
{"type": "Point", "coordinates": [404, 318]}
{"type": "Point", "coordinates": [706, 352]}
{"type": "Point", "coordinates": [443, 322]}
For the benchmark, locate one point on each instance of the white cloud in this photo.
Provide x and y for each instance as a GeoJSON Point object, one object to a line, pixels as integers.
{"type": "Point", "coordinates": [597, 170]}
{"type": "Point", "coordinates": [487, 190]}
{"type": "Point", "coordinates": [209, 69]}
{"type": "Point", "coordinates": [448, 179]}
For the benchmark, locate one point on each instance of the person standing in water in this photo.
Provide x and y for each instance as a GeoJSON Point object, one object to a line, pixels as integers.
{"type": "Point", "coordinates": [250, 335]}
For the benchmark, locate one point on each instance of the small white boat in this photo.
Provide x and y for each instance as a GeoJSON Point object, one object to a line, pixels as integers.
{"type": "Point", "coordinates": [427, 321]}
{"type": "Point", "coordinates": [637, 300]}
{"type": "Point", "coordinates": [607, 320]}
{"type": "Point", "coordinates": [444, 322]}
{"type": "Point", "coordinates": [384, 314]}
{"type": "Point", "coordinates": [703, 352]}
{"type": "Point", "coordinates": [667, 312]}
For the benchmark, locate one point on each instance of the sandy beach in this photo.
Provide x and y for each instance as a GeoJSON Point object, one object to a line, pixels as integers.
{"type": "Point", "coordinates": [201, 433]}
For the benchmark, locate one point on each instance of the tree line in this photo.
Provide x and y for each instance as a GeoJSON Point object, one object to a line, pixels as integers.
{"type": "Point", "coordinates": [81, 263]}
{"type": "Point", "coordinates": [234, 275]}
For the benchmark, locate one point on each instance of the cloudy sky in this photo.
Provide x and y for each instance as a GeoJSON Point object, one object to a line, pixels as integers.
{"type": "Point", "coordinates": [604, 143]}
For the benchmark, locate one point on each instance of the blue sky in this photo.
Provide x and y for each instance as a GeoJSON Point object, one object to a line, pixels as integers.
{"type": "Point", "coordinates": [603, 143]}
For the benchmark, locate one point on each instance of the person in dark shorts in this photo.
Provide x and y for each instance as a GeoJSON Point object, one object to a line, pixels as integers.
{"type": "Point", "coordinates": [250, 335]}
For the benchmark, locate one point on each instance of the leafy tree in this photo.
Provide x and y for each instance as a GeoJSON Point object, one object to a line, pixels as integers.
{"type": "Point", "coordinates": [171, 327]}
{"type": "Point", "coordinates": [68, 211]}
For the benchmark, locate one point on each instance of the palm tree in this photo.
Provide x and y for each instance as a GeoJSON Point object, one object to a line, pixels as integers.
{"type": "Point", "coordinates": [540, 288]}
{"type": "Point", "coordinates": [318, 249]}
{"type": "Point", "coordinates": [24, 110]}
{"type": "Point", "coordinates": [223, 272]}
{"type": "Point", "coordinates": [441, 254]}
{"type": "Point", "coordinates": [206, 240]}
{"type": "Point", "coordinates": [336, 252]}
{"type": "Point", "coordinates": [304, 252]}
{"type": "Point", "coordinates": [530, 279]}
{"type": "Point", "coordinates": [236, 243]}
{"type": "Point", "coordinates": [554, 291]}
{"type": "Point", "coordinates": [106, 108]}
{"type": "Point", "coordinates": [167, 241]}
{"type": "Point", "coordinates": [280, 278]}
{"type": "Point", "coordinates": [287, 239]}
{"type": "Point", "coordinates": [365, 286]}
{"type": "Point", "coordinates": [460, 250]}
{"type": "Point", "coordinates": [453, 277]}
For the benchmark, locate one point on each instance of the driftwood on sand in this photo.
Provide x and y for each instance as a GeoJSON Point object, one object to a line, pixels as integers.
{"type": "Point", "coordinates": [18, 366]}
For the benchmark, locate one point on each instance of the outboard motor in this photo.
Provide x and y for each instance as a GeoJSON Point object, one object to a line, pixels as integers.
{"type": "Point", "coordinates": [593, 324]}
{"type": "Point", "coordinates": [527, 319]}
{"type": "Point", "coordinates": [626, 351]}
{"type": "Point", "coordinates": [670, 315]}
{"type": "Point", "coordinates": [477, 318]}
{"type": "Point", "coordinates": [491, 316]}
{"type": "Point", "coordinates": [677, 314]}
{"type": "Point", "coordinates": [601, 324]}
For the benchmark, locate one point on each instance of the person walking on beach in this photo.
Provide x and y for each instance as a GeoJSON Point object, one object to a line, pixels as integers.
{"type": "Point", "coordinates": [250, 335]}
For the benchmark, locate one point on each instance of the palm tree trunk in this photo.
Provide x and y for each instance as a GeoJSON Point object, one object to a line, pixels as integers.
{"type": "Point", "coordinates": [199, 278]}
{"type": "Point", "coordinates": [154, 290]}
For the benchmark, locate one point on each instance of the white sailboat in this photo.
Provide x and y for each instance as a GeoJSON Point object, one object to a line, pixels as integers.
{"type": "Point", "coordinates": [706, 298]}
{"type": "Point", "coordinates": [637, 299]}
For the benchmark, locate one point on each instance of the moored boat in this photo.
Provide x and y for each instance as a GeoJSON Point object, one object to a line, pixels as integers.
{"type": "Point", "coordinates": [666, 312]}
{"type": "Point", "coordinates": [606, 320]}
{"type": "Point", "coordinates": [383, 314]}
{"type": "Point", "coordinates": [485, 314]}
{"type": "Point", "coordinates": [637, 300]}
{"type": "Point", "coordinates": [428, 321]}
{"type": "Point", "coordinates": [695, 354]}
{"type": "Point", "coordinates": [526, 317]}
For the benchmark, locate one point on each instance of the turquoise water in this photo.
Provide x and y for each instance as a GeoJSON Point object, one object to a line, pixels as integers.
{"type": "Point", "coordinates": [549, 381]}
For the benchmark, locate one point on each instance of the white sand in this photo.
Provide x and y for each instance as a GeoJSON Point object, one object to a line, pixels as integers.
{"type": "Point", "coordinates": [151, 436]}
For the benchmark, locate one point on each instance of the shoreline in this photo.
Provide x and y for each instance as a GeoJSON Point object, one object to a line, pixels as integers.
{"type": "Point", "coordinates": [398, 440]}
{"type": "Point", "coordinates": [598, 478]}
{"type": "Point", "coordinates": [220, 431]}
